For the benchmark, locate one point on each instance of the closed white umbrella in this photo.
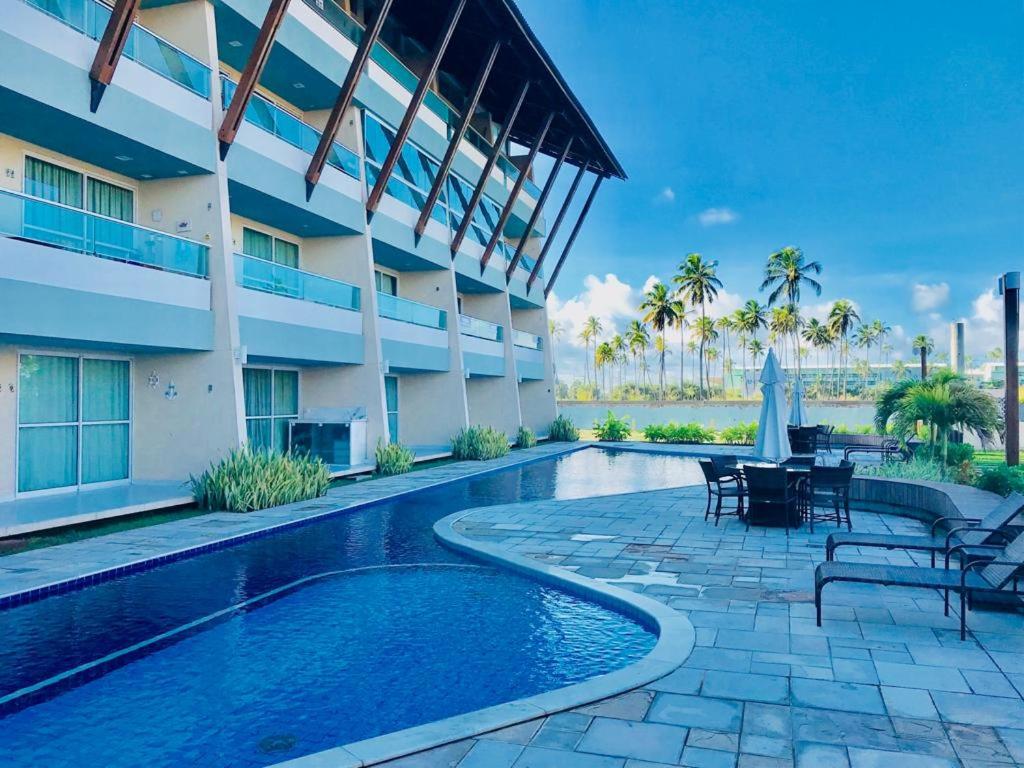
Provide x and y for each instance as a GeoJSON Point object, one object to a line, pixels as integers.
{"type": "Point", "coordinates": [797, 411]}
{"type": "Point", "coordinates": [772, 438]}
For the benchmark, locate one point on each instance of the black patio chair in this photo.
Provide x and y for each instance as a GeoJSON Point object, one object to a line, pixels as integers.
{"type": "Point", "coordinates": [723, 482]}
{"type": "Point", "coordinates": [985, 576]}
{"type": "Point", "coordinates": [772, 497]}
{"type": "Point", "coordinates": [829, 487]}
{"type": "Point", "coordinates": [964, 532]}
{"type": "Point", "coordinates": [825, 436]}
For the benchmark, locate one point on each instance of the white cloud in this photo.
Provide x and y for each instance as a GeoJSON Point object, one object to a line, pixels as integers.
{"type": "Point", "coordinates": [711, 217]}
{"type": "Point", "coordinates": [926, 297]}
{"type": "Point", "coordinates": [609, 300]}
{"type": "Point", "coordinates": [650, 282]}
{"type": "Point", "coordinates": [666, 196]}
{"type": "Point", "coordinates": [988, 308]}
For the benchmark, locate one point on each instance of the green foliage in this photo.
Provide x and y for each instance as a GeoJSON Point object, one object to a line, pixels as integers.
{"type": "Point", "coordinates": [247, 480]}
{"type": "Point", "coordinates": [563, 430]}
{"type": "Point", "coordinates": [860, 429]}
{"type": "Point", "coordinates": [393, 458]}
{"type": "Point", "coordinates": [958, 453]}
{"type": "Point", "coordinates": [612, 429]}
{"type": "Point", "coordinates": [739, 434]}
{"type": "Point", "coordinates": [678, 433]}
{"type": "Point", "coordinates": [525, 438]}
{"type": "Point", "coordinates": [1001, 479]}
{"type": "Point", "coordinates": [479, 444]}
{"type": "Point", "coordinates": [917, 468]}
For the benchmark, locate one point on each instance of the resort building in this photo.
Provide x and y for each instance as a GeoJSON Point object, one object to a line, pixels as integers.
{"type": "Point", "coordinates": [311, 223]}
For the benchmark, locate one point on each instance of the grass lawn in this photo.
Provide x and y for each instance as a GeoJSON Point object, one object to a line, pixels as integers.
{"type": "Point", "coordinates": [987, 459]}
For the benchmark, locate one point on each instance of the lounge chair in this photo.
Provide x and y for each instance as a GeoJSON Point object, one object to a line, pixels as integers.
{"type": "Point", "coordinates": [977, 576]}
{"type": "Point", "coordinates": [965, 531]}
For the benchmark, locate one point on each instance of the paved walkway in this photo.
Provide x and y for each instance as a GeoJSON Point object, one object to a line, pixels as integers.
{"type": "Point", "coordinates": [885, 682]}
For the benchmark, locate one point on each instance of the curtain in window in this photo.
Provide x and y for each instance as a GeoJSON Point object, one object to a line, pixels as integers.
{"type": "Point", "coordinates": [286, 393]}
{"type": "Point", "coordinates": [258, 388]}
{"type": "Point", "coordinates": [47, 457]}
{"type": "Point", "coordinates": [51, 182]}
{"type": "Point", "coordinates": [258, 432]}
{"type": "Point", "coordinates": [104, 452]}
{"type": "Point", "coordinates": [48, 389]}
{"type": "Point", "coordinates": [286, 253]}
{"type": "Point", "coordinates": [257, 244]}
{"type": "Point", "coordinates": [386, 283]}
{"type": "Point", "coordinates": [111, 200]}
{"type": "Point", "coordinates": [105, 388]}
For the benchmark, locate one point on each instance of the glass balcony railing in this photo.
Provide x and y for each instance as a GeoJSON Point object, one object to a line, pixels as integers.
{"type": "Point", "coordinates": [270, 277]}
{"type": "Point", "coordinates": [481, 329]}
{"type": "Point", "coordinates": [72, 229]}
{"type": "Point", "coordinates": [90, 17]}
{"type": "Point", "coordinates": [525, 340]}
{"type": "Point", "coordinates": [272, 119]}
{"type": "Point", "coordinates": [394, 308]}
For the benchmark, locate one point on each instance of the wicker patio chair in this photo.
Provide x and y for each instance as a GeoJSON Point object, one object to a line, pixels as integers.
{"type": "Point", "coordinates": [723, 482]}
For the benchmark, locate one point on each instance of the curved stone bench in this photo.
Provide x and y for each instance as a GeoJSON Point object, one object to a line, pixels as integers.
{"type": "Point", "coordinates": [920, 499]}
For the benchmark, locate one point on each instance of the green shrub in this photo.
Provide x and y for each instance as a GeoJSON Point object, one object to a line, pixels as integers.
{"type": "Point", "coordinates": [1001, 479]}
{"type": "Point", "coordinates": [563, 430]}
{"type": "Point", "coordinates": [612, 429]}
{"type": "Point", "coordinates": [958, 453]}
{"type": "Point", "coordinates": [678, 433]}
{"type": "Point", "coordinates": [918, 468]}
{"type": "Point", "coordinates": [247, 480]}
{"type": "Point", "coordinates": [860, 429]}
{"type": "Point", "coordinates": [393, 458]}
{"type": "Point", "coordinates": [479, 444]}
{"type": "Point", "coordinates": [739, 434]}
{"type": "Point", "coordinates": [525, 438]}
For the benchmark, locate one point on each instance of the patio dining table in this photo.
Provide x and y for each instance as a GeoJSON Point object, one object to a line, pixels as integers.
{"type": "Point", "coordinates": [795, 473]}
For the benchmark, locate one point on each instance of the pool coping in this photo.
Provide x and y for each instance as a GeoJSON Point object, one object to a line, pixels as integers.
{"type": "Point", "coordinates": [676, 640]}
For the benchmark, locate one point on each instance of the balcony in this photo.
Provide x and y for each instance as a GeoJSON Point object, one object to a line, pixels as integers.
{"type": "Point", "coordinates": [290, 315]}
{"type": "Point", "coordinates": [414, 336]}
{"type": "Point", "coordinates": [155, 113]}
{"type": "Point", "coordinates": [529, 355]}
{"type": "Point", "coordinates": [483, 347]}
{"type": "Point", "coordinates": [69, 274]}
{"type": "Point", "coordinates": [267, 167]}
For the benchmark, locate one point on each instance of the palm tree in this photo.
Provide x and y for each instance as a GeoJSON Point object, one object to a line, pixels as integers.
{"type": "Point", "coordinates": [638, 340]}
{"type": "Point", "coordinates": [756, 350]}
{"type": "Point", "coordinates": [661, 351]}
{"type": "Point", "coordinates": [706, 336]}
{"type": "Point", "coordinates": [841, 319]}
{"type": "Point", "coordinates": [681, 322]}
{"type": "Point", "coordinates": [691, 347]}
{"type": "Point", "coordinates": [725, 325]}
{"type": "Point", "coordinates": [783, 323]}
{"type": "Point", "coordinates": [749, 319]}
{"type": "Point", "coordinates": [864, 337]}
{"type": "Point", "coordinates": [698, 282]}
{"type": "Point", "coordinates": [619, 347]}
{"type": "Point", "coordinates": [924, 346]}
{"type": "Point", "coordinates": [662, 309]}
{"type": "Point", "coordinates": [591, 331]}
{"type": "Point", "coordinates": [555, 332]}
{"type": "Point", "coordinates": [785, 274]}
{"type": "Point", "coordinates": [603, 356]}
{"type": "Point", "coordinates": [881, 330]}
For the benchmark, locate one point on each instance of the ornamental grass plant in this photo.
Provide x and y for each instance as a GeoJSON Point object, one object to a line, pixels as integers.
{"type": "Point", "coordinates": [249, 479]}
{"type": "Point", "coordinates": [479, 443]}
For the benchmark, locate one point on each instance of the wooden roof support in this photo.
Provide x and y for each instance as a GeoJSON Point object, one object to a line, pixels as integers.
{"type": "Point", "coordinates": [115, 35]}
{"type": "Point", "coordinates": [550, 238]}
{"type": "Point", "coordinates": [514, 194]}
{"type": "Point", "coordinates": [572, 237]}
{"type": "Point", "coordinates": [453, 146]}
{"type": "Point", "coordinates": [535, 216]}
{"type": "Point", "coordinates": [485, 174]}
{"type": "Point", "coordinates": [345, 96]}
{"type": "Point", "coordinates": [388, 166]}
{"type": "Point", "coordinates": [258, 56]}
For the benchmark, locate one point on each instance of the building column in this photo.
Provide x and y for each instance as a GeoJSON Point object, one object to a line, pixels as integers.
{"type": "Point", "coordinates": [494, 400]}
{"type": "Point", "coordinates": [537, 398]}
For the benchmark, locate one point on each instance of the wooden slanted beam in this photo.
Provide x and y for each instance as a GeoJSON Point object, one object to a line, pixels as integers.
{"type": "Point", "coordinates": [453, 146]}
{"type": "Point", "coordinates": [553, 230]}
{"type": "Point", "coordinates": [572, 237]}
{"type": "Point", "coordinates": [485, 174]}
{"type": "Point", "coordinates": [514, 194]}
{"type": "Point", "coordinates": [388, 166]}
{"type": "Point", "coordinates": [258, 56]}
{"type": "Point", "coordinates": [115, 36]}
{"type": "Point", "coordinates": [345, 96]}
{"type": "Point", "coordinates": [535, 216]}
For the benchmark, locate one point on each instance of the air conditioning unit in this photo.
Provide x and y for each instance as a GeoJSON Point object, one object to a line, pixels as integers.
{"type": "Point", "coordinates": [336, 435]}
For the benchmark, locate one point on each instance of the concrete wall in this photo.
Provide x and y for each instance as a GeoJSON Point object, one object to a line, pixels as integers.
{"type": "Point", "coordinates": [493, 400]}
{"type": "Point", "coordinates": [536, 398]}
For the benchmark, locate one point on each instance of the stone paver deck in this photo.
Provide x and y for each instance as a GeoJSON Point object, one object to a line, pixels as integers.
{"type": "Point", "coordinates": [885, 682]}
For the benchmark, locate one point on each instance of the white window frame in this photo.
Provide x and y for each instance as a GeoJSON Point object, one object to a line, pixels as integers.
{"type": "Point", "coordinates": [273, 246]}
{"type": "Point", "coordinates": [78, 424]}
{"type": "Point", "coordinates": [86, 175]}
{"type": "Point", "coordinates": [272, 416]}
{"type": "Point", "coordinates": [389, 273]}
{"type": "Point", "coordinates": [398, 405]}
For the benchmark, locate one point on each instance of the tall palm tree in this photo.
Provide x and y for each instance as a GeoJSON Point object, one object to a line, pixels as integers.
{"type": "Point", "coordinates": [841, 319]}
{"type": "Point", "coordinates": [725, 326]}
{"type": "Point", "coordinates": [750, 318]}
{"type": "Point", "coordinates": [661, 350]}
{"type": "Point", "coordinates": [784, 322]}
{"type": "Point", "coordinates": [864, 337]}
{"type": "Point", "coordinates": [691, 347]}
{"type": "Point", "coordinates": [785, 274]}
{"type": "Point", "coordinates": [698, 282]}
{"type": "Point", "coordinates": [924, 346]}
{"type": "Point", "coordinates": [681, 323]}
{"type": "Point", "coordinates": [756, 350]}
{"type": "Point", "coordinates": [881, 331]}
{"type": "Point", "coordinates": [707, 335]}
{"type": "Point", "coordinates": [638, 340]}
{"type": "Point", "coordinates": [591, 331]}
{"type": "Point", "coordinates": [619, 347]}
{"type": "Point", "coordinates": [604, 356]}
{"type": "Point", "coordinates": [555, 331]}
{"type": "Point", "coordinates": [661, 309]}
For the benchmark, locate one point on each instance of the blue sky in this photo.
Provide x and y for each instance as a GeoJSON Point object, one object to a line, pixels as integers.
{"type": "Point", "coordinates": [886, 139]}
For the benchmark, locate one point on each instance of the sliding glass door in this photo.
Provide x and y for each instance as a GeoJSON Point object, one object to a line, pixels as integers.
{"type": "Point", "coordinates": [271, 401]}
{"type": "Point", "coordinates": [74, 421]}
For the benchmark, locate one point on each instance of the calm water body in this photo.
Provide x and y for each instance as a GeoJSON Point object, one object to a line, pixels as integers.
{"type": "Point", "coordinates": [344, 629]}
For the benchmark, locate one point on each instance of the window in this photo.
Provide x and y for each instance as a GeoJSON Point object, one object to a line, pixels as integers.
{"type": "Point", "coordinates": [74, 421]}
{"type": "Point", "coordinates": [77, 190]}
{"type": "Point", "coordinates": [271, 401]}
{"type": "Point", "coordinates": [260, 245]}
{"type": "Point", "coordinates": [391, 399]}
{"type": "Point", "coordinates": [385, 283]}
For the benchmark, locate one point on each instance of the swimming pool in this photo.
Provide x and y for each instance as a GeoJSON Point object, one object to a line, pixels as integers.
{"type": "Point", "coordinates": [353, 626]}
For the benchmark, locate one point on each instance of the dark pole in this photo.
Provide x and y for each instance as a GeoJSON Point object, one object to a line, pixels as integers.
{"type": "Point", "coordinates": [388, 166]}
{"type": "Point", "coordinates": [485, 174]}
{"type": "Point", "coordinates": [1009, 287]}
{"type": "Point", "coordinates": [348, 91]}
{"type": "Point", "coordinates": [514, 194]}
{"type": "Point", "coordinates": [572, 237]}
{"type": "Point", "coordinates": [115, 35]}
{"type": "Point", "coordinates": [558, 223]}
{"type": "Point", "coordinates": [460, 131]}
{"type": "Point", "coordinates": [537, 210]}
{"type": "Point", "coordinates": [251, 75]}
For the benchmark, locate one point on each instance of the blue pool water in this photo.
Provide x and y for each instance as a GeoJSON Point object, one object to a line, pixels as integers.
{"type": "Point", "coordinates": [340, 630]}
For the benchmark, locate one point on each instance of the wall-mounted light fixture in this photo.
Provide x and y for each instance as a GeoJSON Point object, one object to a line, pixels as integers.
{"type": "Point", "coordinates": [171, 392]}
